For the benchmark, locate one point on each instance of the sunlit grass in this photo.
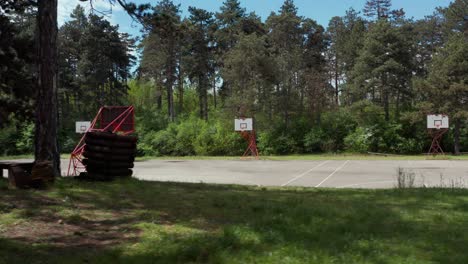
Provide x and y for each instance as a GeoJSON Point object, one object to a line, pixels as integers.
{"type": "Point", "coordinates": [151, 222]}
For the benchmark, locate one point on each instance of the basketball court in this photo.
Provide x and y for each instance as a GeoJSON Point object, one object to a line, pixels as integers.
{"type": "Point", "coordinates": [256, 172]}
{"type": "Point", "coordinates": [324, 173]}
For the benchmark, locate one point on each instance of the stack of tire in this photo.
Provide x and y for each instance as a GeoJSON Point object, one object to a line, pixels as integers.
{"type": "Point", "coordinates": [108, 156]}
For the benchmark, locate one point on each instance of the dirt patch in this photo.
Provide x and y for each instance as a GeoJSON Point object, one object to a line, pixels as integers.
{"type": "Point", "coordinates": [42, 223]}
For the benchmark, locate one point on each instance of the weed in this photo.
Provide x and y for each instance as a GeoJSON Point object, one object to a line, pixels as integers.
{"type": "Point", "coordinates": [405, 178]}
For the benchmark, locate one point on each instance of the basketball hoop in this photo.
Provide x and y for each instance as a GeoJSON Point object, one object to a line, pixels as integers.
{"type": "Point", "coordinates": [437, 126]}
{"type": "Point", "coordinates": [245, 127]}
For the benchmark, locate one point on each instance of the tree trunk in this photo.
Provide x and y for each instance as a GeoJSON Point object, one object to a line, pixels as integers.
{"type": "Point", "coordinates": [200, 96]}
{"type": "Point", "coordinates": [46, 141]}
{"type": "Point", "coordinates": [397, 110]}
{"type": "Point", "coordinates": [386, 105]}
{"type": "Point", "coordinates": [180, 87]}
{"type": "Point", "coordinates": [337, 91]}
{"type": "Point", "coordinates": [170, 102]}
{"type": "Point", "coordinates": [205, 99]}
{"type": "Point", "coordinates": [158, 97]}
{"type": "Point", "coordinates": [385, 97]}
{"type": "Point", "coordinates": [214, 91]}
{"type": "Point", "coordinates": [170, 95]}
{"type": "Point", "coordinates": [456, 137]}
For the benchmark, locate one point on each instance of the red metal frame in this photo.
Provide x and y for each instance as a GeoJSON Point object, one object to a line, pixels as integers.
{"type": "Point", "coordinates": [125, 116]}
{"type": "Point", "coordinates": [251, 150]}
{"type": "Point", "coordinates": [436, 135]}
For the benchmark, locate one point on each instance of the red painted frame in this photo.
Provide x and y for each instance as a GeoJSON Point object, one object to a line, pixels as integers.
{"type": "Point", "coordinates": [75, 166]}
{"type": "Point", "coordinates": [252, 150]}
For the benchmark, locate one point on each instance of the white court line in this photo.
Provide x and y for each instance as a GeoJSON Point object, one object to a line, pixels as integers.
{"type": "Point", "coordinates": [337, 169]}
{"type": "Point", "coordinates": [303, 174]}
{"type": "Point", "coordinates": [365, 183]}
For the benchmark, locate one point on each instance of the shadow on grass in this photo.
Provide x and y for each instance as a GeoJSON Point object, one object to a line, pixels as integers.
{"type": "Point", "coordinates": [130, 221]}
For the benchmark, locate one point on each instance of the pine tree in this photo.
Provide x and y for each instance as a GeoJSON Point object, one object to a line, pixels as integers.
{"type": "Point", "coordinates": [446, 88]}
{"type": "Point", "coordinates": [46, 139]}
{"type": "Point", "coordinates": [383, 68]}
{"type": "Point", "coordinates": [165, 37]}
{"type": "Point", "coordinates": [200, 59]}
{"type": "Point", "coordinates": [377, 8]}
{"type": "Point", "coordinates": [228, 29]}
{"type": "Point", "coordinates": [287, 38]}
{"type": "Point", "coordinates": [17, 57]}
{"type": "Point", "coordinates": [70, 51]}
{"type": "Point", "coordinates": [250, 69]}
{"type": "Point", "coordinates": [335, 35]}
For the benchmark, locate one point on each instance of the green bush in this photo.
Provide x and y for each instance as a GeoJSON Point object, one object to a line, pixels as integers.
{"type": "Point", "coordinates": [25, 139]}
{"type": "Point", "coordinates": [187, 132]}
{"type": "Point", "coordinates": [193, 136]}
{"type": "Point", "coordinates": [265, 143]}
{"type": "Point", "coordinates": [336, 126]}
{"type": "Point", "coordinates": [358, 141]}
{"type": "Point", "coordinates": [160, 143]}
{"type": "Point", "coordinates": [8, 136]}
{"type": "Point", "coordinates": [313, 140]}
{"type": "Point", "coordinates": [276, 143]}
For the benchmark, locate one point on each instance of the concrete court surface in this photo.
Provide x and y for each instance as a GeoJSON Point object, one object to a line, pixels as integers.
{"type": "Point", "coordinates": [324, 173]}
{"type": "Point", "coordinates": [317, 173]}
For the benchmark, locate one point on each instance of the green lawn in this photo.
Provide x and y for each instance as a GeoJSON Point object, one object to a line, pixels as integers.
{"type": "Point", "coordinates": [326, 156]}
{"type": "Point", "coordinates": [319, 157]}
{"type": "Point", "coordinates": [130, 221]}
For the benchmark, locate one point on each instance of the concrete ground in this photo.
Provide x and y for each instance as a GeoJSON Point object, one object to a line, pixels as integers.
{"type": "Point", "coordinates": [324, 173]}
{"type": "Point", "coordinates": [328, 173]}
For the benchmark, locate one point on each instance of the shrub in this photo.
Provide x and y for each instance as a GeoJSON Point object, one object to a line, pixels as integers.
{"type": "Point", "coordinates": [313, 140]}
{"type": "Point", "coordinates": [8, 137]}
{"type": "Point", "coordinates": [161, 143]}
{"type": "Point", "coordinates": [265, 143]}
{"type": "Point", "coordinates": [25, 139]}
{"type": "Point", "coordinates": [336, 126]}
{"type": "Point", "coordinates": [358, 141]}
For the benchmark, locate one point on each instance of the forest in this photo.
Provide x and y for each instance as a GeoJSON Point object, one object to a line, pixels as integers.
{"type": "Point", "coordinates": [363, 83]}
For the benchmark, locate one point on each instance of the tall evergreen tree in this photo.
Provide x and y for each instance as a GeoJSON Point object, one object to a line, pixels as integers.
{"type": "Point", "coordinates": [70, 52]}
{"type": "Point", "coordinates": [315, 88]}
{"type": "Point", "coordinates": [335, 35]}
{"type": "Point", "coordinates": [200, 58]}
{"type": "Point", "coordinates": [286, 36]}
{"type": "Point", "coordinates": [165, 35]}
{"type": "Point", "coordinates": [46, 140]}
{"type": "Point", "coordinates": [377, 8]}
{"type": "Point", "coordinates": [383, 69]}
{"type": "Point", "coordinates": [446, 88]}
{"type": "Point", "coordinates": [250, 69]}
{"type": "Point", "coordinates": [16, 65]}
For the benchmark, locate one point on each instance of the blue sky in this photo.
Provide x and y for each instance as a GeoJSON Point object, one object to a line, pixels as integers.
{"type": "Point", "coordinates": [319, 10]}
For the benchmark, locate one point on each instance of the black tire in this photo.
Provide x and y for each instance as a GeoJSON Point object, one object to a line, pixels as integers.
{"type": "Point", "coordinates": [113, 150]}
{"type": "Point", "coordinates": [112, 137]}
{"type": "Point", "coordinates": [111, 144]}
{"type": "Point", "coordinates": [107, 164]}
{"type": "Point", "coordinates": [107, 169]}
{"type": "Point", "coordinates": [92, 148]}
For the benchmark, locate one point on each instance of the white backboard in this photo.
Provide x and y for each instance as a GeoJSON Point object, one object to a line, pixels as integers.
{"type": "Point", "coordinates": [82, 126]}
{"type": "Point", "coordinates": [244, 124]}
{"type": "Point", "coordinates": [437, 121]}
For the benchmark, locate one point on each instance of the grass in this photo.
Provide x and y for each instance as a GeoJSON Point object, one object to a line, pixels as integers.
{"type": "Point", "coordinates": [323, 156]}
{"type": "Point", "coordinates": [130, 221]}
{"type": "Point", "coordinates": [326, 156]}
